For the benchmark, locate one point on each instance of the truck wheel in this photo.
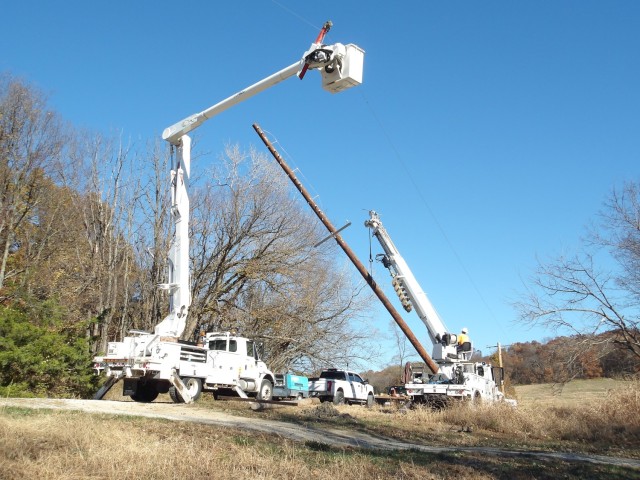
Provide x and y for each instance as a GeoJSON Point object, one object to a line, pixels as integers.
{"type": "Point", "coordinates": [175, 396]}
{"type": "Point", "coordinates": [338, 399]}
{"type": "Point", "coordinates": [370, 400]}
{"type": "Point", "coordinates": [145, 394]}
{"type": "Point", "coordinates": [266, 390]}
{"type": "Point", "coordinates": [194, 386]}
{"type": "Point", "coordinates": [300, 396]}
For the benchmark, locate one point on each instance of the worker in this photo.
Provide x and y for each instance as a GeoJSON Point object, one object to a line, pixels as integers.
{"type": "Point", "coordinates": [462, 339]}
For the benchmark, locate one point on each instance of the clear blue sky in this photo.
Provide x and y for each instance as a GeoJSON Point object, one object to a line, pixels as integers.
{"type": "Point", "coordinates": [485, 133]}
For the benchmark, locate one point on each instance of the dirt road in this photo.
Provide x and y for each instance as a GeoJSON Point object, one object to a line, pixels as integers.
{"type": "Point", "coordinates": [301, 433]}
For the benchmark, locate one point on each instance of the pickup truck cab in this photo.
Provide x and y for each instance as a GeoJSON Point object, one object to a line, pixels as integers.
{"type": "Point", "coordinates": [340, 386]}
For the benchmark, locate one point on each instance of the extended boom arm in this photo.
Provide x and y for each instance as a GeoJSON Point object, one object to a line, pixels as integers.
{"type": "Point", "coordinates": [341, 68]}
{"type": "Point", "coordinates": [410, 292]}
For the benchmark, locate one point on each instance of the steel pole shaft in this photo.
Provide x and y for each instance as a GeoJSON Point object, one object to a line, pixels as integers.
{"type": "Point", "coordinates": [354, 259]}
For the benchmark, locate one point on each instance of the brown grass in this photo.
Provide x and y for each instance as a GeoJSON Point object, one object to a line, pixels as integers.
{"type": "Point", "coordinates": [606, 423]}
{"type": "Point", "coordinates": [80, 446]}
{"type": "Point", "coordinates": [54, 445]}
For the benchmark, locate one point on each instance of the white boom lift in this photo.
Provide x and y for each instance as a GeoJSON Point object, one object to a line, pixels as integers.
{"type": "Point", "coordinates": [159, 362]}
{"type": "Point", "coordinates": [457, 377]}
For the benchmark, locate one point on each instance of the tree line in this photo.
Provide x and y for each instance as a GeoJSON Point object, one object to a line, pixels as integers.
{"type": "Point", "coordinates": [85, 231]}
{"type": "Point", "coordinates": [84, 235]}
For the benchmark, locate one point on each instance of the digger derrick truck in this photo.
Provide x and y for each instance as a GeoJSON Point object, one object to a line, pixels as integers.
{"type": "Point", "coordinates": [457, 376]}
{"type": "Point", "coordinates": [159, 362]}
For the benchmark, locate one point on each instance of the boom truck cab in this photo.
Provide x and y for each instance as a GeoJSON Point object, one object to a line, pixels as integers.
{"type": "Point", "coordinates": [159, 362]}
{"type": "Point", "coordinates": [457, 376]}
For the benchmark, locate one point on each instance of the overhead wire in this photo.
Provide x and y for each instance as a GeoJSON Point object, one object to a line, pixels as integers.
{"type": "Point", "coordinates": [295, 14]}
{"type": "Point", "coordinates": [412, 181]}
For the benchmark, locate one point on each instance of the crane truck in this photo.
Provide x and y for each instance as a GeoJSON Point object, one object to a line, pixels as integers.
{"type": "Point", "coordinates": [159, 362]}
{"type": "Point", "coordinates": [457, 376]}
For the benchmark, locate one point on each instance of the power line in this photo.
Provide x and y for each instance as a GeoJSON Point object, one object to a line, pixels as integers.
{"type": "Point", "coordinates": [300, 17]}
{"type": "Point", "coordinates": [412, 181]}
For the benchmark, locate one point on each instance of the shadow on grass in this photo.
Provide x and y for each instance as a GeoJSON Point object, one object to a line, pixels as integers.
{"type": "Point", "coordinates": [505, 467]}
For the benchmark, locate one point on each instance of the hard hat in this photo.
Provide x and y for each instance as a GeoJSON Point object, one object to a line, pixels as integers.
{"type": "Point", "coordinates": [465, 330]}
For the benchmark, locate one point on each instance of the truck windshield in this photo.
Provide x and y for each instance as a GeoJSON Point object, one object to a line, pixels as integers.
{"type": "Point", "coordinates": [333, 375]}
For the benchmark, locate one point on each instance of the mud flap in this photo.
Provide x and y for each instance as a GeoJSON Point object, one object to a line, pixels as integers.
{"type": "Point", "coordinates": [182, 389]}
{"type": "Point", "coordinates": [107, 386]}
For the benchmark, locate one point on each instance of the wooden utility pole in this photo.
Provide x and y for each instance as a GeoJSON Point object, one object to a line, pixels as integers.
{"type": "Point", "coordinates": [433, 366]}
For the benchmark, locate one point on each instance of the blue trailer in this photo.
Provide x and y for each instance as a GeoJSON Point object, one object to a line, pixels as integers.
{"type": "Point", "coordinates": [288, 385]}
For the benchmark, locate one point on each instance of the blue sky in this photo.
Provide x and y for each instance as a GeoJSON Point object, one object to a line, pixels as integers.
{"type": "Point", "coordinates": [485, 134]}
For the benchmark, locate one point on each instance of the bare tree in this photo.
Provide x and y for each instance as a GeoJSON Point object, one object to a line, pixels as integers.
{"type": "Point", "coordinates": [31, 140]}
{"type": "Point", "coordinates": [255, 268]}
{"type": "Point", "coordinates": [105, 199]}
{"type": "Point", "coordinates": [152, 238]}
{"type": "Point", "coordinates": [403, 349]}
{"type": "Point", "coordinates": [576, 295]}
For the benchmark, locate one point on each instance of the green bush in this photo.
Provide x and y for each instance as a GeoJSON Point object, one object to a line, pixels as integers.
{"type": "Point", "coordinates": [40, 355]}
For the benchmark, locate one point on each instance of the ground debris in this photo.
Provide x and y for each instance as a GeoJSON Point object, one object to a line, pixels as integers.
{"type": "Point", "coordinates": [326, 410]}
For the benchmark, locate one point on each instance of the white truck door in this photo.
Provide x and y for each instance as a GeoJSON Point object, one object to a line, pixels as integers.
{"type": "Point", "coordinates": [358, 386]}
{"type": "Point", "coordinates": [250, 366]}
{"type": "Point", "coordinates": [224, 361]}
{"type": "Point", "coordinates": [362, 388]}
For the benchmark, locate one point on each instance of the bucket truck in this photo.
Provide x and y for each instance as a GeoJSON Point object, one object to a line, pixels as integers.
{"type": "Point", "coordinates": [457, 376]}
{"type": "Point", "coordinates": [159, 362]}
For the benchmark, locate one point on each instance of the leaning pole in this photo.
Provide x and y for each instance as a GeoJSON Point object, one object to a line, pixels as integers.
{"type": "Point", "coordinates": [352, 256]}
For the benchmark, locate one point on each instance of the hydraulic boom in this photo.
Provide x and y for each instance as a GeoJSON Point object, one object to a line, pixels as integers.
{"type": "Point", "coordinates": [410, 292]}
{"type": "Point", "coordinates": [341, 68]}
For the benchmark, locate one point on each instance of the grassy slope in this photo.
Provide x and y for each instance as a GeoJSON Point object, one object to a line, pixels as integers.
{"type": "Point", "coordinates": [576, 391]}
{"type": "Point", "coordinates": [584, 417]}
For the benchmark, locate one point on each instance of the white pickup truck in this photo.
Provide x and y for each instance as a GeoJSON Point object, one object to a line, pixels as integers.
{"type": "Point", "coordinates": [340, 386]}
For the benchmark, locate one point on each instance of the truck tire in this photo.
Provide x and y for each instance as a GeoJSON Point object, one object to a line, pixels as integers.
{"type": "Point", "coordinates": [266, 390]}
{"type": "Point", "coordinates": [338, 399]}
{"type": "Point", "coordinates": [145, 393]}
{"type": "Point", "coordinates": [194, 386]}
{"type": "Point", "coordinates": [370, 400]}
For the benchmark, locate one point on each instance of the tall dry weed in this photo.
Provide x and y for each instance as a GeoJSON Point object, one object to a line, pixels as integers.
{"type": "Point", "coordinates": [613, 419]}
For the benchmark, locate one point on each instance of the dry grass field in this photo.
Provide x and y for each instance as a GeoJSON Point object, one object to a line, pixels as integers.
{"type": "Point", "coordinates": [594, 421]}
{"type": "Point", "coordinates": [575, 392]}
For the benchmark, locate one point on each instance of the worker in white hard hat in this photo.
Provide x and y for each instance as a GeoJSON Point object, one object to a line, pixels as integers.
{"type": "Point", "coordinates": [462, 339]}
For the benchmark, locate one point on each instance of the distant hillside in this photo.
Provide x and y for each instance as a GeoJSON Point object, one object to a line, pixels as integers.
{"type": "Point", "coordinates": [555, 361]}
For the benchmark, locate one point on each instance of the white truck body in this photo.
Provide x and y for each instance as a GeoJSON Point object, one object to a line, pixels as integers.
{"type": "Point", "coordinates": [149, 364]}
{"type": "Point", "coordinates": [340, 386]}
{"type": "Point", "coordinates": [468, 381]}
